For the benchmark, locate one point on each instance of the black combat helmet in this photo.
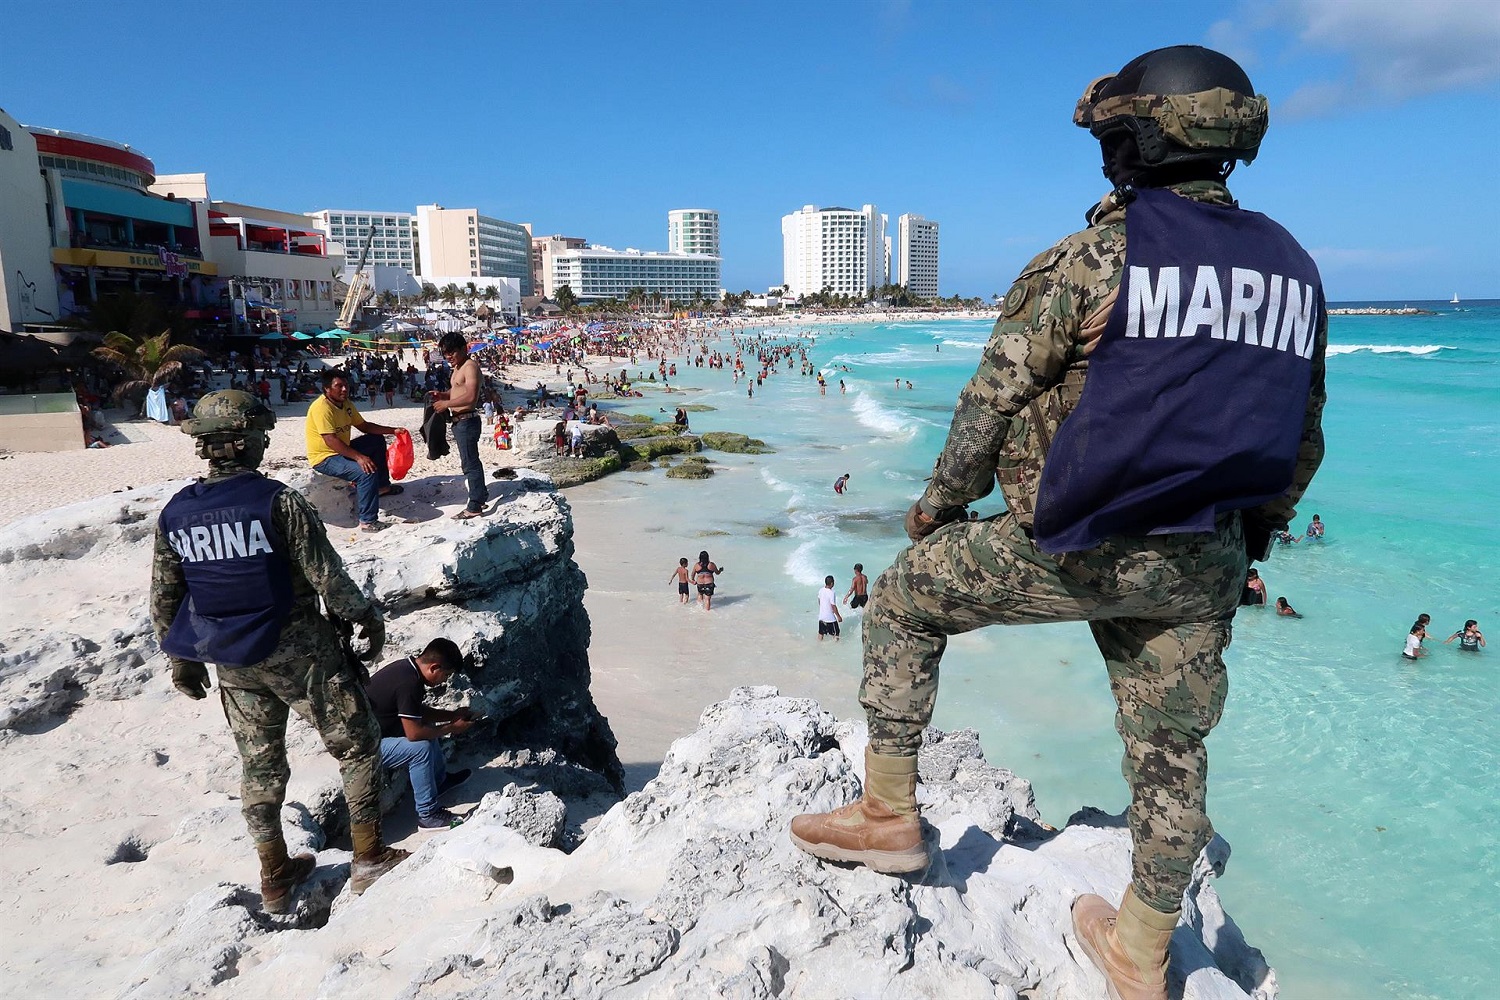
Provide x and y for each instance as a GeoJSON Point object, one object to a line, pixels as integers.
{"type": "Point", "coordinates": [1183, 105]}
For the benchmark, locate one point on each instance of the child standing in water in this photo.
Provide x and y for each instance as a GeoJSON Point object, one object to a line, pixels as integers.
{"type": "Point", "coordinates": [680, 575]}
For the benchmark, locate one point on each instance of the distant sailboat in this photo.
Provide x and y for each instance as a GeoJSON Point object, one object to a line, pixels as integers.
{"type": "Point", "coordinates": [1453, 301]}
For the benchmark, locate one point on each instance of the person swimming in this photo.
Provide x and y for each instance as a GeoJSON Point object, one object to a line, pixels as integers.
{"type": "Point", "coordinates": [1285, 610]}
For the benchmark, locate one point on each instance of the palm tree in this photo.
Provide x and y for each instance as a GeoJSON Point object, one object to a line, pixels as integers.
{"type": "Point", "coordinates": [471, 292]}
{"type": "Point", "coordinates": [148, 362]}
{"type": "Point", "coordinates": [451, 293]}
{"type": "Point", "coordinates": [566, 300]}
{"type": "Point", "coordinates": [429, 293]}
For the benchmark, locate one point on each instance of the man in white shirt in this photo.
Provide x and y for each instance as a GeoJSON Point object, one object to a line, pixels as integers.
{"type": "Point", "coordinates": [828, 611]}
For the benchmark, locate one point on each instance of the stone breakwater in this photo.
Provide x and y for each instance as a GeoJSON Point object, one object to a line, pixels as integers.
{"type": "Point", "coordinates": [131, 873]}
{"type": "Point", "coordinates": [1379, 311]}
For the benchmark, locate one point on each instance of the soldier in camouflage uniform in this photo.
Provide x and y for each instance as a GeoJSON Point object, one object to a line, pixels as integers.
{"type": "Point", "coordinates": [1136, 494]}
{"type": "Point", "coordinates": [239, 565]}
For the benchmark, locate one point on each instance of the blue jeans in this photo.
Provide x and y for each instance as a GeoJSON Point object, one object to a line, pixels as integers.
{"type": "Point", "coordinates": [423, 760]}
{"type": "Point", "coordinates": [368, 484]}
{"type": "Point", "coordinates": [466, 439]}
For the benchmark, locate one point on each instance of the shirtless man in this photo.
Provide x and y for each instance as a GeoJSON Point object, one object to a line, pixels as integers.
{"type": "Point", "coordinates": [858, 594]}
{"type": "Point", "coordinates": [703, 576]}
{"type": "Point", "coordinates": [462, 403]}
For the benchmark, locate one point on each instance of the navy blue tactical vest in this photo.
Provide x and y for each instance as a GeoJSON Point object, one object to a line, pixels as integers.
{"type": "Point", "coordinates": [1196, 391]}
{"type": "Point", "coordinates": [238, 577]}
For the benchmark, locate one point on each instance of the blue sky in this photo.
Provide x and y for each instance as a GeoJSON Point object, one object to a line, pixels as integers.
{"type": "Point", "coordinates": [594, 119]}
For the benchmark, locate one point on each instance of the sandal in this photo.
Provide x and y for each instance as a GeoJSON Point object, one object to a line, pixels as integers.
{"type": "Point", "coordinates": [393, 491]}
{"type": "Point", "coordinates": [371, 527]}
{"type": "Point", "coordinates": [468, 515]}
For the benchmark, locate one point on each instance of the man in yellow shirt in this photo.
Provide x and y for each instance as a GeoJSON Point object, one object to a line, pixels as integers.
{"type": "Point", "coordinates": [330, 452]}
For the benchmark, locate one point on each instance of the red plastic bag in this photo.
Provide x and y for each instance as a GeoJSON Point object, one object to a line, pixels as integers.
{"type": "Point", "coordinates": [398, 454]}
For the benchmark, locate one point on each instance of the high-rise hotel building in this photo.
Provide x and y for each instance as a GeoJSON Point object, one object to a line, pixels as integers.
{"type": "Point", "coordinates": [459, 242]}
{"type": "Point", "coordinates": [393, 242]}
{"type": "Point", "coordinates": [917, 255]}
{"type": "Point", "coordinates": [838, 249]}
{"type": "Point", "coordinates": [594, 273]}
{"type": "Point", "coordinates": [693, 230]}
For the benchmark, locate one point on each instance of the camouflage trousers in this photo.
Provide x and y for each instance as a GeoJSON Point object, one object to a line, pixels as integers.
{"type": "Point", "coordinates": [1160, 608]}
{"type": "Point", "coordinates": [305, 674]}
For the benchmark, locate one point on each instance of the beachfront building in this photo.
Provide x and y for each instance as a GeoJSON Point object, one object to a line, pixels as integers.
{"type": "Point", "coordinates": [917, 255]}
{"type": "Point", "coordinates": [506, 299]}
{"type": "Point", "coordinates": [543, 249]}
{"type": "Point", "coordinates": [462, 242]}
{"type": "Point", "coordinates": [596, 273]}
{"type": "Point", "coordinates": [391, 244]}
{"type": "Point", "coordinates": [28, 291]}
{"type": "Point", "coordinates": [104, 230]}
{"type": "Point", "coordinates": [693, 230]}
{"type": "Point", "coordinates": [278, 266]}
{"type": "Point", "coordinates": [840, 250]}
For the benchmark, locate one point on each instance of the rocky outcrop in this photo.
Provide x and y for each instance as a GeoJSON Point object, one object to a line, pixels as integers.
{"type": "Point", "coordinates": [505, 588]}
{"type": "Point", "coordinates": [691, 888]}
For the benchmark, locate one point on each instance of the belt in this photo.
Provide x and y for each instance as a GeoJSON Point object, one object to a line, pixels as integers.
{"type": "Point", "coordinates": [456, 417]}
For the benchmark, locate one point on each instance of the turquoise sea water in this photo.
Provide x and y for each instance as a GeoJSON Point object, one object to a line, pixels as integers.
{"type": "Point", "coordinates": [1358, 789]}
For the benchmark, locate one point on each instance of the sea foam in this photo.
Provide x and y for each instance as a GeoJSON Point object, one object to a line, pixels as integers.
{"type": "Point", "coordinates": [1419, 350]}
{"type": "Point", "coordinates": [878, 417]}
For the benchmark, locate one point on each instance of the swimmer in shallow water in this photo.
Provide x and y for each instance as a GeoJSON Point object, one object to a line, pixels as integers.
{"type": "Point", "coordinates": [1414, 650]}
{"type": "Point", "coordinates": [1469, 637]}
{"type": "Point", "coordinates": [1285, 610]}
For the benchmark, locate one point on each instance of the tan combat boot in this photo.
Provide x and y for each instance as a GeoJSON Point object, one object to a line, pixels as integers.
{"type": "Point", "coordinates": [372, 858]}
{"type": "Point", "coordinates": [1128, 946]}
{"type": "Point", "coordinates": [279, 874]}
{"type": "Point", "coordinates": [881, 830]}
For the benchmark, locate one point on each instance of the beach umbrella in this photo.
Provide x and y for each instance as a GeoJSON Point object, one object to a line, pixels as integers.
{"type": "Point", "coordinates": [329, 335]}
{"type": "Point", "coordinates": [299, 335]}
{"type": "Point", "coordinates": [273, 335]}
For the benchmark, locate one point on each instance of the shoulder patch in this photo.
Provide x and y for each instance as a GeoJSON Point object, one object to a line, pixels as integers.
{"type": "Point", "coordinates": [1014, 299]}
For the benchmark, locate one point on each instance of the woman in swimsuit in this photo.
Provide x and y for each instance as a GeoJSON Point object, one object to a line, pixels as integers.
{"type": "Point", "coordinates": [703, 576]}
{"type": "Point", "coordinates": [1285, 610]}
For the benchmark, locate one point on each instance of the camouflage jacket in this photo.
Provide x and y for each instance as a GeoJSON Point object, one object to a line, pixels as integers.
{"type": "Point", "coordinates": [317, 569]}
{"type": "Point", "coordinates": [1034, 366]}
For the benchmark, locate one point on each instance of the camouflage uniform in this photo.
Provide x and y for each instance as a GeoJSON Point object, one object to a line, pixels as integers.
{"type": "Point", "coordinates": [1159, 606]}
{"type": "Point", "coordinates": [306, 673]}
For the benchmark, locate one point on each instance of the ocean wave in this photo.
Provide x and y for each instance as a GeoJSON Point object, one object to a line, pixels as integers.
{"type": "Point", "coordinates": [965, 344]}
{"type": "Point", "coordinates": [804, 566]}
{"type": "Point", "coordinates": [881, 418]}
{"type": "Point", "coordinates": [901, 356]}
{"type": "Point", "coordinates": [1419, 350]}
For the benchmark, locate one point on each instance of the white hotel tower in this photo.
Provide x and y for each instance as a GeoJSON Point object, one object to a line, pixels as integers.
{"type": "Point", "coordinates": [839, 249]}
{"type": "Point", "coordinates": [693, 230]}
{"type": "Point", "coordinates": [917, 255]}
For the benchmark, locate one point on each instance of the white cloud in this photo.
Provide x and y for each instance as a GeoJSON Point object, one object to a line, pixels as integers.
{"type": "Point", "coordinates": [1392, 50]}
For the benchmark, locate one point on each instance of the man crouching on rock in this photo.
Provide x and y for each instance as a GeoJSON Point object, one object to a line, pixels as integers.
{"type": "Point", "coordinates": [410, 731]}
{"type": "Point", "coordinates": [1150, 403]}
{"type": "Point", "coordinates": [239, 565]}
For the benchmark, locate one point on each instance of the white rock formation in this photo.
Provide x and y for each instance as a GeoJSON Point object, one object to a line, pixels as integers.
{"type": "Point", "coordinates": [129, 872]}
{"type": "Point", "coordinates": [690, 888]}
